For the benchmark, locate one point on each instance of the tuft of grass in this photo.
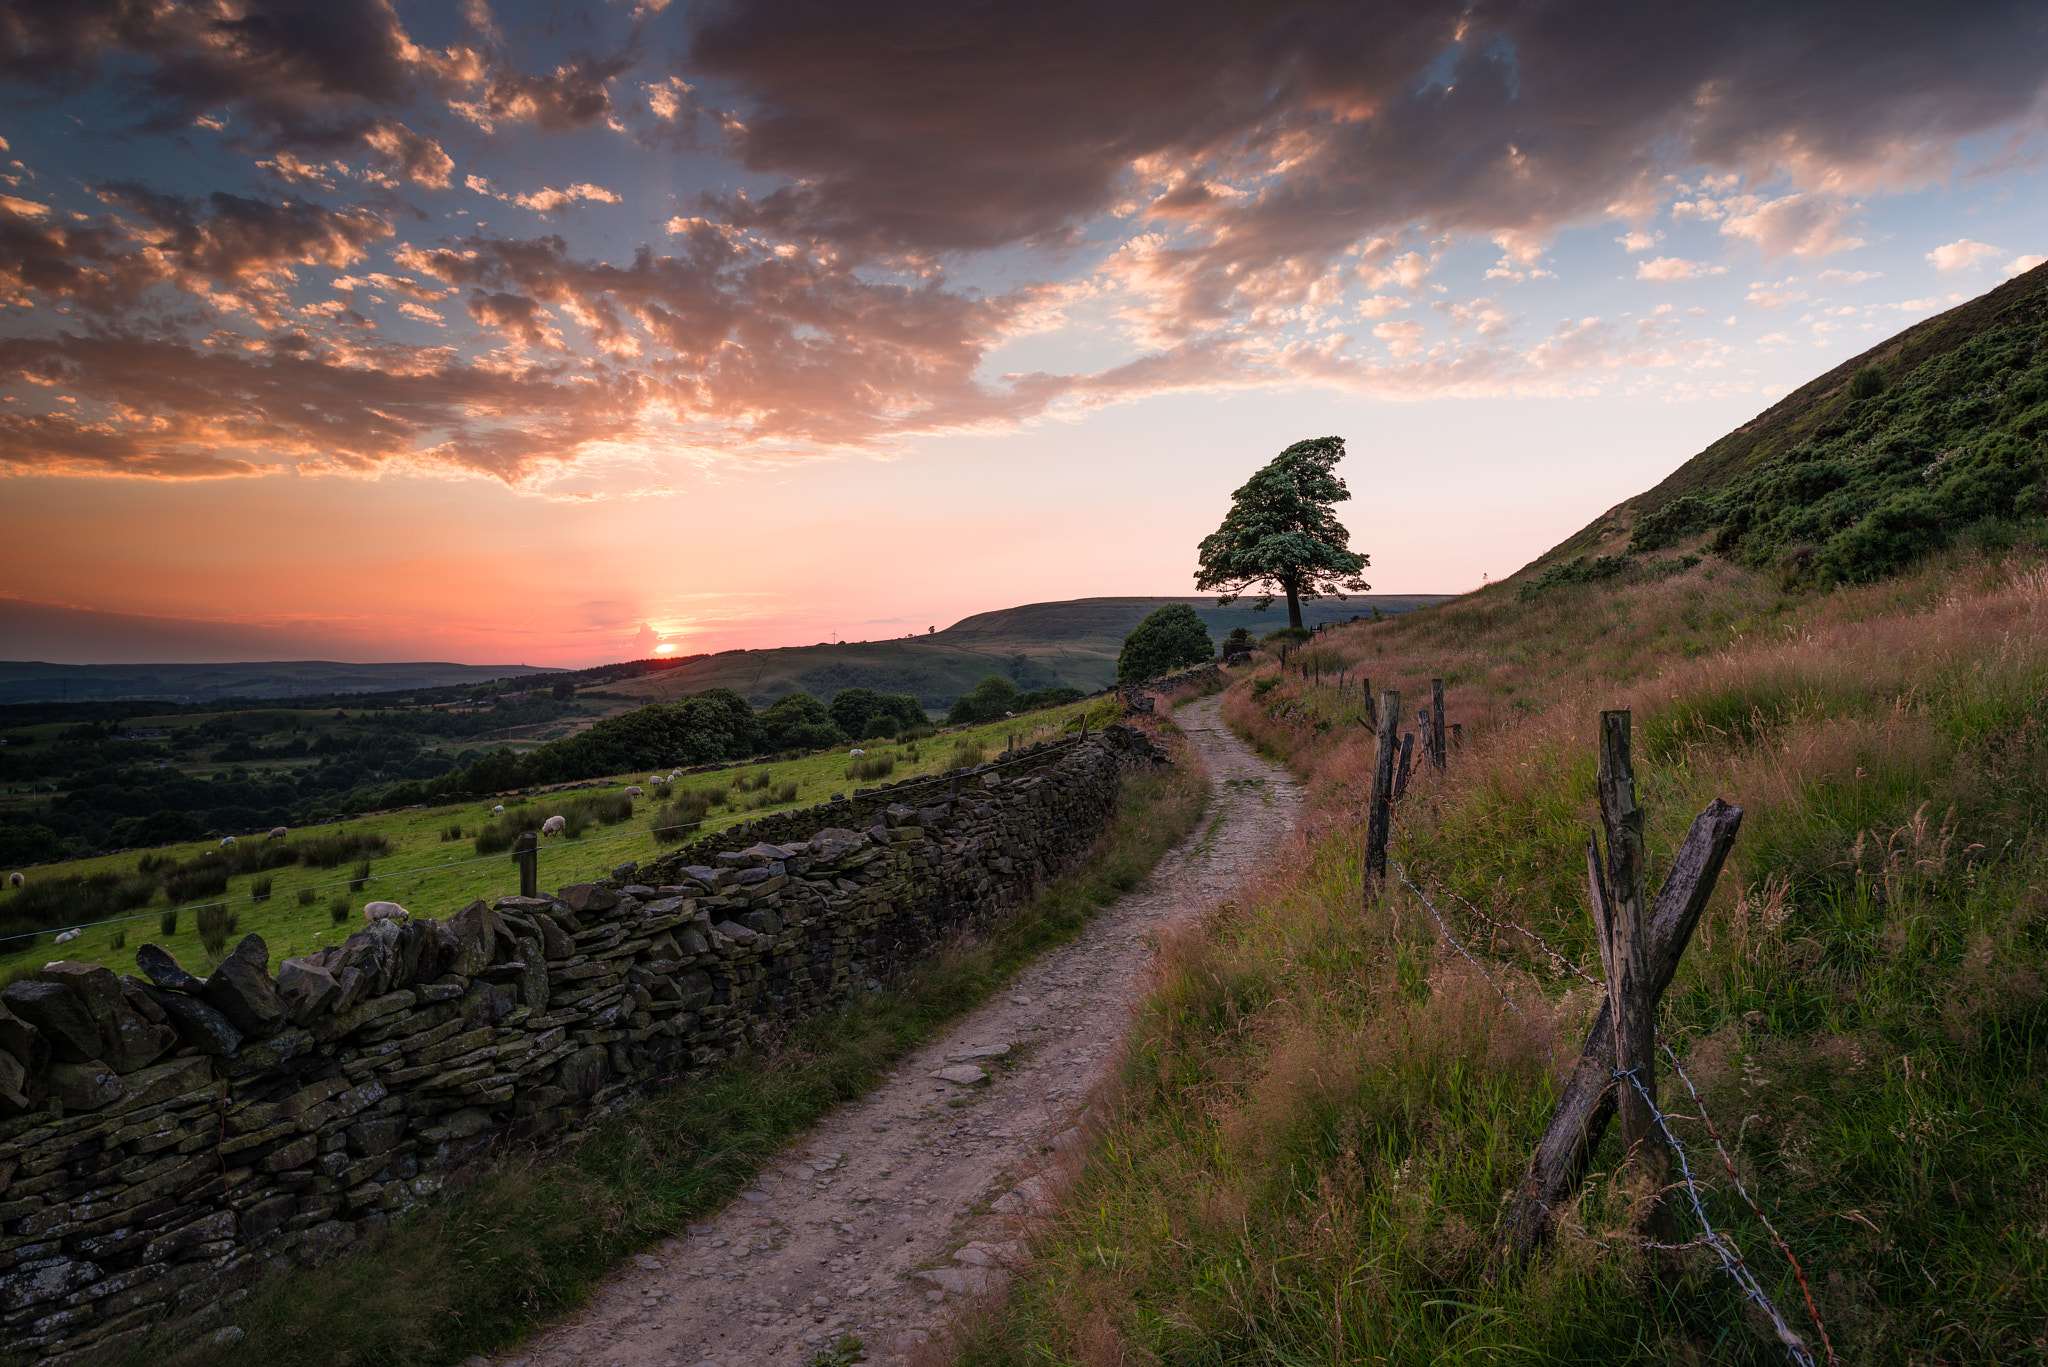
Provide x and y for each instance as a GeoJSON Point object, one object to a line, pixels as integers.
{"type": "Point", "coordinates": [870, 767]}
{"type": "Point", "coordinates": [966, 754]}
{"type": "Point", "coordinates": [259, 889]}
{"type": "Point", "coordinates": [168, 923]}
{"type": "Point", "coordinates": [359, 876]}
{"type": "Point", "coordinates": [528, 1236]}
{"type": "Point", "coordinates": [307, 897]}
{"type": "Point", "coordinates": [337, 910]}
{"type": "Point", "coordinates": [451, 832]}
{"type": "Point", "coordinates": [216, 924]}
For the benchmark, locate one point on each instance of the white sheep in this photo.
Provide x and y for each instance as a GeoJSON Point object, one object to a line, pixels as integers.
{"type": "Point", "coordinates": [554, 825]}
{"type": "Point", "coordinates": [654, 778]}
{"type": "Point", "coordinates": [385, 911]}
{"type": "Point", "coordinates": [278, 832]}
{"type": "Point", "coordinates": [636, 791]}
{"type": "Point", "coordinates": [227, 842]}
{"type": "Point", "coordinates": [15, 880]}
{"type": "Point", "coordinates": [856, 750]}
{"type": "Point", "coordinates": [68, 936]}
{"type": "Point", "coordinates": [498, 810]}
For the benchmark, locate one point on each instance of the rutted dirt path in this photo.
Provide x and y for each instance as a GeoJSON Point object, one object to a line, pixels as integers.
{"type": "Point", "coordinates": [899, 1203]}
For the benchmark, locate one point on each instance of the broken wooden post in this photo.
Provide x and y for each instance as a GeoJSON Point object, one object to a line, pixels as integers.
{"type": "Point", "coordinates": [1379, 821]}
{"type": "Point", "coordinates": [526, 854]}
{"type": "Point", "coordinates": [1436, 722]}
{"type": "Point", "coordinates": [1566, 1149]}
{"type": "Point", "coordinates": [1617, 893]}
{"type": "Point", "coordinates": [1407, 754]}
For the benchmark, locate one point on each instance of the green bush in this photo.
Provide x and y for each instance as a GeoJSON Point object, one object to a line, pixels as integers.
{"type": "Point", "coordinates": [987, 701]}
{"type": "Point", "coordinates": [1866, 383]}
{"type": "Point", "coordinates": [1171, 637]}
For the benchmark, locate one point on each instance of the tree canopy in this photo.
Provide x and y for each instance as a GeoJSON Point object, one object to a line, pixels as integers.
{"type": "Point", "coordinates": [1281, 537]}
{"type": "Point", "coordinates": [1172, 637]}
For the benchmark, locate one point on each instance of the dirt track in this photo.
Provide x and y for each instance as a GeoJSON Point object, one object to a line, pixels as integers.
{"type": "Point", "coordinates": [898, 1204]}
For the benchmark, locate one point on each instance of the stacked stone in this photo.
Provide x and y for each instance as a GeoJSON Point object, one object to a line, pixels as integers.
{"type": "Point", "coordinates": [172, 1135]}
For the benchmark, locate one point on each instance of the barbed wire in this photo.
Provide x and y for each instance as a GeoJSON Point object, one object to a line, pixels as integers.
{"type": "Point", "coordinates": [1724, 1246]}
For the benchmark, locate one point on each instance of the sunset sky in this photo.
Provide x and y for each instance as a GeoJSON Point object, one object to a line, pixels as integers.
{"type": "Point", "coordinates": [573, 332]}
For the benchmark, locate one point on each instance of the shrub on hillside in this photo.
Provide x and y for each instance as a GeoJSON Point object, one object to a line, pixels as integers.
{"type": "Point", "coordinates": [799, 721]}
{"type": "Point", "coordinates": [988, 700]}
{"type": "Point", "coordinates": [857, 710]}
{"type": "Point", "coordinates": [1171, 637]}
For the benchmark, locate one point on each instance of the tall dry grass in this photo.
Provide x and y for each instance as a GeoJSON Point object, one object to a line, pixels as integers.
{"type": "Point", "coordinates": [1326, 1101]}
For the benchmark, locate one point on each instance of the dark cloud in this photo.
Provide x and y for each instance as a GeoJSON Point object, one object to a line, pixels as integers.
{"type": "Point", "coordinates": [574, 95]}
{"type": "Point", "coordinates": [235, 238]}
{"type": "Point", "coordinates": [1292, 130]}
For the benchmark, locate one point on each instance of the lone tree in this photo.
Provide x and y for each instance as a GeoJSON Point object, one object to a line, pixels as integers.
{"type": "Point", "coordinates": [1172, 636]}
{"type": "Point", "coordinates": [1281, 536]}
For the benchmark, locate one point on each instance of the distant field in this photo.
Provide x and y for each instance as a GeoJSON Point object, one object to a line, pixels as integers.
{"type": "Point", "coordinates": [431, 876]}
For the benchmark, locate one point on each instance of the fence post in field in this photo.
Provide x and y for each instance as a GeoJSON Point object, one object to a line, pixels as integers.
{"type": "Point", "coordinates": [1380, 820]}
{"type": "Point", "coordinates": [526, 854]}
{"type": "Point", "coordinates": [1457, 736]}
{"type": "Point", "coordinates": [1642, 953]}
{"type": "Point", "coordinates": [1616, 886]}
{"type": "Point", "coordinates": [1436, 721]}
{"type": "Point", "coordinates": [1407, 755]}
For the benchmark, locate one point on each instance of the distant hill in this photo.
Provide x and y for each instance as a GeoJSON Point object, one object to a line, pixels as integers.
{"type": "Point", "coordinates": [34, 681]}
{"type": "Point", "coordinates": [1846, 479]}
{"type": "Point", "coordinates": [1037, 645]}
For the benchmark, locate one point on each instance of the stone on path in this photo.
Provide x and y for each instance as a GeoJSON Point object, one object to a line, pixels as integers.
{"type": "Point", "coordinates": [965, 1074]}
{"type": "Point", "coordinates": [979, 1051]}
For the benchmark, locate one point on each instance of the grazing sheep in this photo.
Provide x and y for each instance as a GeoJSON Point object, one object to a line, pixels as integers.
{"type": "Point", "coordinates": [278, 832]}
{"type": "Point", "coordinates": [227, 842]}
{"type": "Point", "coordinates": [68, 936]}
{"type": "Point", "coordinates": [15, 880]}
{"type": "Point", "coordinates": [554, 825]}
{"type": "Point", "coordinates": [385, 911]}
{"type": "Point", "coordinates": [498, 810]}
{"type": "Point", "coordinates": [856, 750]}
{"type": "Point", "coordinates": [654, 778]}
{"type": "Point", "coordinates": [636, 791]}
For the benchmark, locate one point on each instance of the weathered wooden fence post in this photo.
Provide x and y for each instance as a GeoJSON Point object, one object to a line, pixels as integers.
{"type": "Point", "coordinates": [1436, 723]}
{"type": "Point", "coordinates": [526, 854]}
{"type": "Point", "coordinates": [1565, 1152]}
{"type": "Point", "coordinates": [1379, 821]}
{"type": "Point", "coordinates": [1407, 756]}
{"type": "Point", "coordinates": [1617, 892]}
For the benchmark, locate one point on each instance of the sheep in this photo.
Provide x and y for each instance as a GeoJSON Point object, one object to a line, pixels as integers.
{"type": "Point", "coordinates": [554, 825]}
{"type": "Point", "coordinates": [384, 911]}
{"type": "Point", "coordinates": [856, 750]}
{"type": "Point", "coordinates": [68, 936]}
{"type": "Point", "coordinates": [636, 791]}
{"type": "Point", "coordinates": [654, 778]}
{"type": "Point", "coordinates": [227, 842]}
{"type": "Point", "coordinates": [278, 832]}
{"type": "Point", "coordinates": [15, 880]}
{"type": "Point", "coordinates": [498, 810]}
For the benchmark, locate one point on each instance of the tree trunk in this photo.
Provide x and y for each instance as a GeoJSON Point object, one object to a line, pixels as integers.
{"type": "Point", "coordinates": [1293, 603]}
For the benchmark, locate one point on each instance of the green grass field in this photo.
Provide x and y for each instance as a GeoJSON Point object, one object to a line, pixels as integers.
{"type": "Point", "coordinates": [435, 876]}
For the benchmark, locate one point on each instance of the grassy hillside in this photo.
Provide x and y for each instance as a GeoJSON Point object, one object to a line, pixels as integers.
{"type": "Point", "coordinates": [1926, 437]}
{"type": "Point", "coordinates": [1038, 645]}
{"type": "Point", "coordinates": [430, 859]}
{"type": "Point", "coordinates": [1325, 1104]}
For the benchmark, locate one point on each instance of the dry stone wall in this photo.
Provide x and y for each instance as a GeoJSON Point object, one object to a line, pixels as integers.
{"type": "Point", "coordinates": [171, 1138]}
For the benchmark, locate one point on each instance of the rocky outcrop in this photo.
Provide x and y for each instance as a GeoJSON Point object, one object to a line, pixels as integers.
{"type": "Point", "coordinates": [171, 1136]}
